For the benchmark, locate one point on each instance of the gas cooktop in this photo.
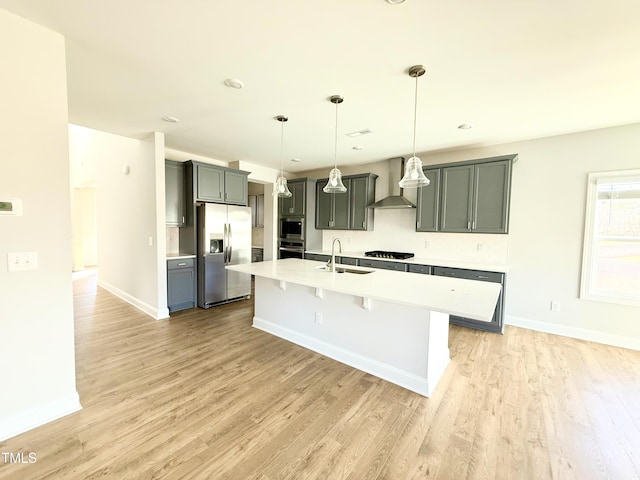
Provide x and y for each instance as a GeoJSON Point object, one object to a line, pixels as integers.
{"type": "Point", "coordinates": [384, 254]}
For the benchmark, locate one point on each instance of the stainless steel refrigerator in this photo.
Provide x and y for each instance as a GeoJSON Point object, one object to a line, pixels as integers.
{"type": "Point", "coordinates": [224, 238]}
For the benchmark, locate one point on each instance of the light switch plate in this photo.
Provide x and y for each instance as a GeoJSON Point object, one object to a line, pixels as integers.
{"type": "Point", "coordinates": [20, 261]}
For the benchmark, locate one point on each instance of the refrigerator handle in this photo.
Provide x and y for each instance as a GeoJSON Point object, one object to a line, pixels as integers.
{"type": "Point", "coordinates": [226, 245]}
{"type": "Point", "coordinates": [230, 244]}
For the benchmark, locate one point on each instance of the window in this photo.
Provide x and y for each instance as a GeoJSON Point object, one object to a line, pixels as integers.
{"type": "Point", "coordinates": [611, 256]}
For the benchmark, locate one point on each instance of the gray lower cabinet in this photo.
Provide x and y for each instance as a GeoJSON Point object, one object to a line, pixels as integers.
{"type": "Point", "coordinates": [497, 323]}
{"type": "Point", "coordinates": [175, 206]}
{"type": "Point", "coordinates": [317, 257]}
{"type": "Point", "coordinates": [383, 264]}
{"type": "Point", "coordinates": [346, 211]}
{"type": "Point", "coordinates": [181, 284]}
{"type": "Point", "coordinates": [475, 198]}
{"type": "Point", "coordinates": [428, 203]}
{"type": "Point", "coordinates": [424, 269]}
{"type": "Point", "coordinates": [257, 254]}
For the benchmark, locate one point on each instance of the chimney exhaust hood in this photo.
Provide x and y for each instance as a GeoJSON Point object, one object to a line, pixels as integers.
{"type": "Point", "coordinates": [395, 199]}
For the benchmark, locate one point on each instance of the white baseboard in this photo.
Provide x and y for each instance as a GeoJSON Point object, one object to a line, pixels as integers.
{"type": "Point", "coordinates": [573, 332]}
{"type": "Point", "coordinates": [35, 417]}
{"type": "Point", "coordinates": [158, 314]}
{"type": "Point", "coordinates": [386, 372]}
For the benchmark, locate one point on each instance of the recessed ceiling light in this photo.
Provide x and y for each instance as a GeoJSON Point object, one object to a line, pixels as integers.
{"type": "Point", "coordinates": [169, 119]}
{"type": "Point", "coordinates": [359, 132]}
{"type": "Point", "coordinates": [358, 147]}
{"type": "Point", "coordinates": [234, 83]}
{"type": "Point", "coordinates": [296, 160]}
{"type": "Point", "coordinates": [464, 126]}
{"type": "Point", "coordinates": [394, 2]}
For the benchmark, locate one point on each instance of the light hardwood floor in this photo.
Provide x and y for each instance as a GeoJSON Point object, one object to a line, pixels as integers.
{"type": "Point", "coordinates": [205, 396]}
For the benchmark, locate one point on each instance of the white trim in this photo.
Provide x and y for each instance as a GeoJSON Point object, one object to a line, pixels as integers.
{"type": "Point", "coordinates": [158, 314]}
{"type": "Point", "coordinates": [574, 332]}
{"type": "Point", "coordinates": [386, 372]}
{"type": "Point", "coordinates": [38, 416]}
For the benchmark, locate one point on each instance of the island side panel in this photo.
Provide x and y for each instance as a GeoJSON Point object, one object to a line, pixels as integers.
{"type": "Point", "coordinates": [402, 344]}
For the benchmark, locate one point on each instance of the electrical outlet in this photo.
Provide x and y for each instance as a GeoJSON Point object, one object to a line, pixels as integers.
{"type": "Point", "coordinates": [151, 241]}
{"type": "Point", "coordinates": [319, 318]}
{"type": "Point", "coordinates": [480, 247]}
{"type": "Point", "coordinates": [427, 244]}
{"type": "Point", "coordinates": [555, 306]}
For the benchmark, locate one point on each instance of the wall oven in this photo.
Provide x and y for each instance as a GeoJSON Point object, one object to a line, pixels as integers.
{"type": "Point", "coordinates": [292, 228]}
{"type": "Point", "coordinates": [289, 249]}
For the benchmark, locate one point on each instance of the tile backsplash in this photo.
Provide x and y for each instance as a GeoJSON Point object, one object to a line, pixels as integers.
{"type": "Point", "coordinates": [394, 230]}
{"type": "Point", "coordinates": [173, 240]}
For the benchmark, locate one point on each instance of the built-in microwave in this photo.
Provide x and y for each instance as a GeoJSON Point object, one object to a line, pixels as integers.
{"type": "Point", "coordinates": [292, 228]}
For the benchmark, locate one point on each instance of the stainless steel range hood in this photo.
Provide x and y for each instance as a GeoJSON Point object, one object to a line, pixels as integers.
{"type": "Point", "coordinates": [395, 199]}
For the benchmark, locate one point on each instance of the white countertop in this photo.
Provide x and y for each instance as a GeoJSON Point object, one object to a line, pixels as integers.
{"type": "Point", "coordinates": [435, 262]}
{"type": "Point", "coordinates": [179, 256]}
{"type": "Point", "coordinates": [455, 296]}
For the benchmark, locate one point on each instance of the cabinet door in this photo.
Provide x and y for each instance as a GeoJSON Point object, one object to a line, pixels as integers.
{"type": "Point", "coordinates": [324, 207]}
{"type": "Point", "coordinates": [298, 189]}
{"type": "Point", "coordinates": [260, 211]}
{"type": "Point", "coordinates": [457, 189]}
{"type": "Point", "coordinates": [293, 206]}
{"type": "Point", "coordinates": [210, 184]}
{"type": "Point", "coordinates": [174, 194]}
{"type": "Point", "coordinates": [341, 205]}
{"type": "Point", "coordinates": [235, 188]}
{"type": "Point", "coordinates": [491, 197]}
{"type": "Point", "coordinates": [358, 190]}
{"type": "Point", "coordinates": [428, 203]}
{"type": "Point", "coordinates": [181, 292]}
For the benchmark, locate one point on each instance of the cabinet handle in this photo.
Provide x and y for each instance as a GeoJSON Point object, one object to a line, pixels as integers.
{"type": "Point", "coordinates": [483, 277]}
{"type": "Point", "coordinates": [363, 225]}
{"type": "Point", "coordinates": [183, 219]}
{"type": "Point", "coordinates": [182, 264]}
{"type": "Point", "coordinates": [469, 225]}
{"type": "Point", "coordinates": [473, 225]}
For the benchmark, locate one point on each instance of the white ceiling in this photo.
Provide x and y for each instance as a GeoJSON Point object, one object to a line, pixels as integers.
{"type": "Point", "coordinates": [514, 69]}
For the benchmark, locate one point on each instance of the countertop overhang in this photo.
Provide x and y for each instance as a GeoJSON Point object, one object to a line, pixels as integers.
{"type": "Point", "coordinates": [454, 296]}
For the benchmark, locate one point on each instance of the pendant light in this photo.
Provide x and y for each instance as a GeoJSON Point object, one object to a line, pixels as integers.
{"type": "Point", "coordinates": [280, 188]}
{"type": "Point", "coordinates": [413, 174]}
{"type": "Point", "coordinates": [335, 185]}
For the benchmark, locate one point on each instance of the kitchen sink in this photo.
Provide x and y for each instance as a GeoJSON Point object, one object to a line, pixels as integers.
{"type": "Point", "coordinates": [344, 270]}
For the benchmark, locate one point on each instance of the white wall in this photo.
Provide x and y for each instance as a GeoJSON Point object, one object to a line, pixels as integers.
{"type": "Point", "coordinates": [37, 356]}
{"type": "Point", "coordinates": [544, 244]}
{"type": "Point", "coordinates": [130, 214]}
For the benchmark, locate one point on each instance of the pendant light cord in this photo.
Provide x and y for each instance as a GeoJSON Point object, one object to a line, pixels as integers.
{"type": "Point", "coordinates": [335, 151]}
{"type": "Point", "coordinates": [415, 116]}
{"type": "Point", "coordinates": [282, 149]}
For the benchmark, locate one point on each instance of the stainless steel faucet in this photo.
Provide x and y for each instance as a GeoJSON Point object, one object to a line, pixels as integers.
{"type": "Point", "coordinates": [331, 264]}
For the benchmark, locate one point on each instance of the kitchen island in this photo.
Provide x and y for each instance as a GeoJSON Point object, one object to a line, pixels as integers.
{"type": "Point", "coordinates": [393, 325]}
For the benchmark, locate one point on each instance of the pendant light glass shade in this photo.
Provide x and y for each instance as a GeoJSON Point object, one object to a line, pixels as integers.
{"type": "Point", "coordinates": [413, 174]}
{"type": "Point", "coordinates": [335, 185]}
{"type": "Point", "coordinates": [280, 188]}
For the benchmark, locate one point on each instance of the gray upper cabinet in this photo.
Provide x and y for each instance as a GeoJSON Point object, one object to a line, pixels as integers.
{"type": "Point", "coordinates": [294, 206]}
{"type": "Point", "coordinates": [457, 194]}
{"type": "Point", "coordinates": [475, 197]}
{"type": "Point", "coordinates": [332, 209]}
{"type": "Point", "coordinates": [362, 193]}
{"type": "Point", "coordinates": [175, 206]}
{"type": "Point", "coordinates": [428, 203]}
{"type": "Point", "coordinates": [210, 184]}
{"type": "Point", "coordinates": [220, 185]}
{"type": "Point", "coordinates": [492, 192]}
{"type": "Point", "coordinates": [346, 211]}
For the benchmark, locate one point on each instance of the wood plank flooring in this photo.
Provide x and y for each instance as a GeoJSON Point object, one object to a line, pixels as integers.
{"type": "Point", "coordinates": [205, 396]}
